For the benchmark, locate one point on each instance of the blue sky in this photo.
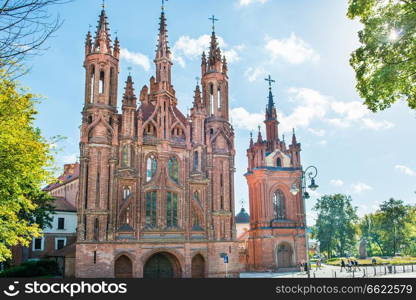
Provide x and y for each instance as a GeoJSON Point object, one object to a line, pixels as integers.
{"type": "Point", "coordinates": [304, 44]}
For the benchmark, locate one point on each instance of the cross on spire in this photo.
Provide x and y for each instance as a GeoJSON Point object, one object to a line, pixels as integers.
{"type": "Point", "coordinates": [197, 80]}
{"type": "Point", "coordinates": [129, 68]}
{"type": "Point", "coordinates": [163, 4]}
{"type": "Point", "coordinates": [103, 5]}
{"type": "Point", "coordinates": [213, 19]}
{"type": "Point", "coordinates": [270, 80]}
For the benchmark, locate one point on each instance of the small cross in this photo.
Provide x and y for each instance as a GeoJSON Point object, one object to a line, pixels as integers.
{"type": "Point", "coordinates": [163, 4]}
{"type": "Point", "coordinates": [197, 80]}
{"type": "Point", "coordinates": [242, 203]}
{"type": "Point", "coordinates": [129, 68]}
{"type": "Point", "coordinates": [103, 5]}
{"type": "Point", "coordinates": [213, 19]}
{"type": "Point", "coordinates": [270, 80]}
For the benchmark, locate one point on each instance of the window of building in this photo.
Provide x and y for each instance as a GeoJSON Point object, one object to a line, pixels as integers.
{"type": "Point", "coordinates": [173, 166]}
{"type": "Point", "coordinates": [125, 161]}
{"type": "Point", "coordinates": [151, 167]}
{"type": "Point", "coordinates": [196, 160]}
{"type": "Point", "coordinates": [101, 83]}
{"type": "Point", "coordinates": [172, 210]}
{"type": "Point", "coordinates": [92, 82]}
{"type": "Point", "coordinates": [279, 162]}
{"type": "Point", "coordinates": [126, 193]}
{"type": "Point", "coordinates": [61, 223]}
{"type": "Point", "coordinates": [279, 205]}
{"type": "Point", "coordinates": [151, 200]}
{"type": "Point", "coordinates": [60, 243]}
{"type": "Point", "coordinates": [38, 244]}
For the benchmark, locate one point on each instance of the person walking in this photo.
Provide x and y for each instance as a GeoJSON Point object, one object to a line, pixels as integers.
{"type": "Point", "coordinates": [342, 265]}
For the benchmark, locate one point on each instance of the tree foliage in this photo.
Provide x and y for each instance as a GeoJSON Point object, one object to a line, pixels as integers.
{"type": "Point", "coordinates": [390, 230]}
{"type": "Point", "coordinates": [335, 226]}
{"type": "Point", "coordinates": [25, 158]}
{"type": "Point", "coordinates": [385, 64]}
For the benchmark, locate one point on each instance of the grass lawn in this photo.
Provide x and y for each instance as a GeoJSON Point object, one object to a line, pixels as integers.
{"type": "Point", "coordinates": [380, 261]}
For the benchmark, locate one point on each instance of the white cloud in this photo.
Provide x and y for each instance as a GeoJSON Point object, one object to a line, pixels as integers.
{"type": "Point", "coordinates": [242, 119]}
{"type": "Point", "coordinates": [361, 187]}
{"type": "Point", "coordinates": [405, 170]}
{"type": "Point", "coordinates": [293, 50]}
{"type": "Point", "coordinates": [317, 132]}
{"type": "Point", "coordinates": [70, 159]}
{"type": "Point", "coordinates": [376, 125]}
{"type": "Point", "coordinates": [337, 182]}
{"type": "Point", "coordinates": [136, 58]}
{"type": "Point", "coordinates": [248, 2]}
{"type": "Point", "coordinates": [253, 74]}
{"type": "Point", "coordinates": [192, 48]}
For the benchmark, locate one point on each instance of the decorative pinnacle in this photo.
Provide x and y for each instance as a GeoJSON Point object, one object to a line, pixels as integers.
{"type": "Point", "coordinates": [129, 68]}
{"type": "Point", "coordinates": [163, 4]}
{"type": "Point", "coordinates": [213, 19]}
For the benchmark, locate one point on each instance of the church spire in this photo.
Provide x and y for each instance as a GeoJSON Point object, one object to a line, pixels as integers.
{"type": "Point", "coordinates": [129, 98]}
{"type": "Point", "coordinates": [270, 109]}
{"type": "Point", "coordinates": [215, 57]}
{"type": "Point", "coordinates": [163, 54]}
{"type": "Point", "coordinates": [102, 41]}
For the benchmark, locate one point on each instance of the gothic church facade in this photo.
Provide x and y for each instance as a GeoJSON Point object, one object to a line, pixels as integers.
{"type": "Point", "coordinates": [156, 187]}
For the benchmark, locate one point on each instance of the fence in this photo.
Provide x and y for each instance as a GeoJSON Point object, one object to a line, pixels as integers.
{"type": "Point", "coordinates": [374, 271]}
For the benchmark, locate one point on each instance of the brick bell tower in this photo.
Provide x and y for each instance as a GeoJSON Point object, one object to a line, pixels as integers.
{"type": "Point", "coordinates": [277, 229]}
{"type": "Point", "coordinates": [219, 136]}
{"type": "Point", "coordinates": [99, 134]}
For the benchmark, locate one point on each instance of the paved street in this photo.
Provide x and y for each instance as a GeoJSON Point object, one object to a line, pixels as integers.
{"type": "Point", "coordinates": [334, 272]}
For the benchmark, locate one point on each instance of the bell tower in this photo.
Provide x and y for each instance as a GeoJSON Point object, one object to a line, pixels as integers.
{"type": "Point", "coordinates": [99, 134]}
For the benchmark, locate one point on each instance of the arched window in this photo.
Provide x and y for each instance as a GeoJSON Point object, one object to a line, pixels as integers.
{"type": "Point", "coordinates": [173, 166]}
{"type": "Point", "coordinates": [211, 98]}
{"type": "Point", "coordinates": [219, 99]}
{"type": "Point", "coordinates": [151, 200]}
{"type": "Point", "coordinates": [151, 167]}
{"type": "Point", "coordinates": [279, 162]}
{"type": "Point", "coordinates": [92, 82]}
{"type": "Point", "coordinates": [150, 130]}
{"type": "Point", "coordinates": [126, 193]}
{"type": "Point", "coordinates": [196, 160]}
{"type": "Point", "coordinates": [125, 160]}
{"type": "Point", "coordinates": [196, 196]}
{"type": "Point", "coordinates": [111, 86]}
{"type": "Point", "coordinates": [172, 210]}
{"type": "Point", "coordinates": [279, 205]}
{"type": "Point", "coordinates": [101, 84]}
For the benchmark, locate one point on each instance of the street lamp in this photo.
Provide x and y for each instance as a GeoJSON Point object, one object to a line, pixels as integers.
{"type": "Point", "coordinates": [309, 174]}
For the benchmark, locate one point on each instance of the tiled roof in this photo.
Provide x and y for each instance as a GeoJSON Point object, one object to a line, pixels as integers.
{"type": "Point", "coordinates": [61, 204]}
{"type": "Point", "coordinates": [71, 173]}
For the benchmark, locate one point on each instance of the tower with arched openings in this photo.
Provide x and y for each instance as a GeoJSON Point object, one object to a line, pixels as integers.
{"type": "Point", "coordinates": [277, 230]}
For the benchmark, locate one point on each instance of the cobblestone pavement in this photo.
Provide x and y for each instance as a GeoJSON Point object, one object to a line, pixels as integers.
{"type": "Point", "coordinates": [334, 272]}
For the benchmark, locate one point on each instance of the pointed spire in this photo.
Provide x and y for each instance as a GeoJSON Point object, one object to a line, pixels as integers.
{"type": "Point", "coordinates": [270, 109]}
{"type": "Point", "coordinates": [214, 49]}
{"type": "Point", "coordinates": [102, 42]}
{"type": "Point", "coordinates": [251, 139]}
{"type": "Point", "coordinates": [163, 50]}
{"type": "Point", "coordinates": [224, 65]}
{"type": "Point", "coordinates": [294, 140]}
{"type": "Point", "coordinates": [129, 98]}
{"type": "Point", "coordinates": [259, 137]}
{"type": "Point", "coordinates": [197, 97]}
{"type": "Point", "coordinates": [116, 48]}
{"type": "Point", "coordinates": [88, 43]}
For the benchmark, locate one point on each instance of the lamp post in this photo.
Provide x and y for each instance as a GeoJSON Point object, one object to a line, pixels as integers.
{"type": "Point", "coordinates": [308, 175]}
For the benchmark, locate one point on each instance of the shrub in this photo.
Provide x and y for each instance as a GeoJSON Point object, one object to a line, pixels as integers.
{"type": "Point", "coordinates": [33, 269]}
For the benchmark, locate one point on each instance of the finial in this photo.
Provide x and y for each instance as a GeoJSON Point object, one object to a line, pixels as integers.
{"type": "Point", "coordinates": [89, 27]}
{"type": "Point", "coordinates": [242, 203]}
{"type": "Point", "coordinates": [129, 68]}
{"type": "Point", "coordinates": [103, 5]}
{"type": "Point", "coordinates": [197, 80]}
{"type": "Point", "coordinates": [270, 80]}
{"type": "Point", "coordinates": [116, 33]}
{"type": "Point", "coordinates": [259, 128]}
{"type": "Point", "coordinates": [251, 135]}
{"type": "Point", "coordinates": [213, 19]}
{"type": "Point", "coordinates": [163, 5]}
{"type": "Point", "coordinates": [294, 131]}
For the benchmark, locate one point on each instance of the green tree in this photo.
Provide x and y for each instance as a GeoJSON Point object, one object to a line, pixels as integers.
{"type": "Point", "coordinates": [335, 226]}
{"type": "Point", "coordinates": [385, 64]}
{"type": "Point", "coordinates": [25, 166]}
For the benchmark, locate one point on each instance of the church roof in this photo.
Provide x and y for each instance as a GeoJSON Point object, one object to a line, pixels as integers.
{"type": "Point", "coordinates": [71, 173]}
{"type": "Point", "coordinates": [242, 217]}
{"type": "Point", "coordinates": [61, 204]}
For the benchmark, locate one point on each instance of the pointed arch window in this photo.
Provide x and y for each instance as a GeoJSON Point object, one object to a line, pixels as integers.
{"type": "Point", "coordinates": [125, 162]}
{"type": "Point", "coordinates": [151, 202]}
{"type": "Point", "coordinates": [279, 162]}
{"type": "Point", "coordinates": [150, 130]}
{"type": "Point", "coordinates": [279, 207]}
{"type": "Point", "coordinates": [126, 193]}
{"type": "Point", "coordinates": [173, 166]}
{"type": "Point", "coordinates": [219, 99]}
{"type": "Point", "coordinates": [172, 210]}
{"type": "Point", "coordinates": [92, 83]}
{"type": "Point", "coordinates": [101, 83]}
{"type": "Point", "coordinates": [211, 93]}
{"type": "Point", "coordinates": [151, 168]}
{"type": "Point", "coordinates": [96, 229]}
{"type": "Point", "coordinates": [196, 160]}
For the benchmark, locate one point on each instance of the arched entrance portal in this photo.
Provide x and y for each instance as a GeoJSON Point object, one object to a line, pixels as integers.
{"type": "Point", "coordinates": [284, 256]}
{"type": "Point", "coordinates": [198, 266]}
{"type": "Point", "coordinates": [123, 267]}
{"type": "Point", "coordinates": [162, 265]}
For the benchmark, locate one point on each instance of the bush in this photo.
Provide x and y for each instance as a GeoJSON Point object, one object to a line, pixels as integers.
{"type": "Point", "coordinates": [33, 269]}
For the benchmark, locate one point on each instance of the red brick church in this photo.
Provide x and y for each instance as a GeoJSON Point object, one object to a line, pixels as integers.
{"type": "Point", "coordinates": [276, 239]}
{"type": "Point", "coordinates": [156, 187]}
